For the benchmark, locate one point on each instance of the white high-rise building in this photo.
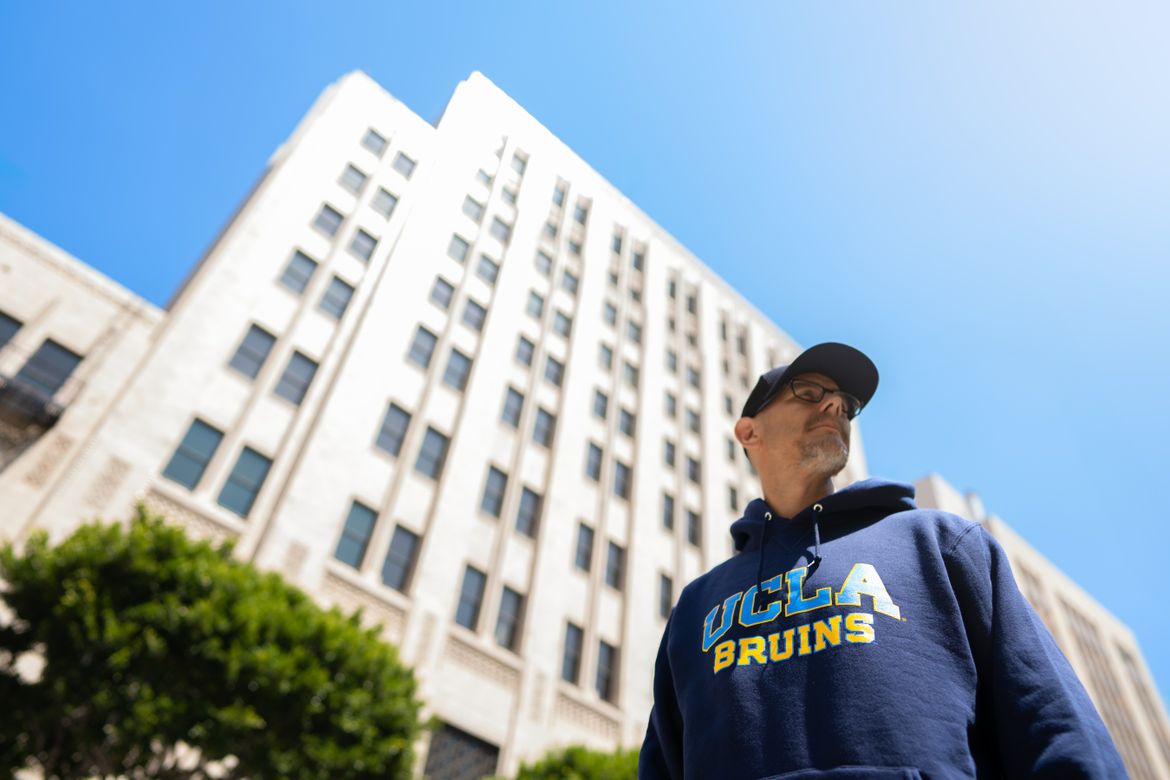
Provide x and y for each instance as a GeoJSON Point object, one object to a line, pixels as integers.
{"type": "Point", "coordinates": [448, 374]}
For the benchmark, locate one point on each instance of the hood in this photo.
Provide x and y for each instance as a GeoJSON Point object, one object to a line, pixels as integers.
{"type": "Point", "coordinates": [874, 496]}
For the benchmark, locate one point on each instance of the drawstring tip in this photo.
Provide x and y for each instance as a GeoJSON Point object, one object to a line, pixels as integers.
{"type": "Point", "coordinates": [813, 564]}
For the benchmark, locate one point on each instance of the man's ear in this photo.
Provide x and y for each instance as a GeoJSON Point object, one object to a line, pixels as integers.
{"type": "Point", "coordinates": [745, 431]}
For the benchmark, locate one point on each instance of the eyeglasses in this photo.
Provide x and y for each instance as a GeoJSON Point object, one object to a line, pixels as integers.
{"type": "Point", "coordinates": [814, 394]}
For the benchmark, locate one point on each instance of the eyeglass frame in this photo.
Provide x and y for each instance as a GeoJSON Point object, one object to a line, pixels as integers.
{"type": "Point", "coordinates": [845, 397]}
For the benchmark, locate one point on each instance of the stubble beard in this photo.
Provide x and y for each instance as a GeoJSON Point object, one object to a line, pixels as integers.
{"type": "Point", "coordinates": [825, 455]}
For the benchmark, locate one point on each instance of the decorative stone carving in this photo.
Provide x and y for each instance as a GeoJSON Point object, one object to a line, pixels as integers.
{"type": "Point", "coordinates": [587, 717]}
{"type": "Point", "coordinates": [481, 663]}
{"type": "Point", "coordinates": [106, 483]}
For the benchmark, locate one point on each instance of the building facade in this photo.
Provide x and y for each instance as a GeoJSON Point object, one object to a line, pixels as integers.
{"type": "Point", "coordinates": [446, 373]}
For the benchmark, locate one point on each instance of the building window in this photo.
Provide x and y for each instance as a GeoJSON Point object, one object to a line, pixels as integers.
{"type": "Point", "coordinates": [562, 324]}
{"type": "Point", "coordinates": [328, 220]}
{"type": "Point", "coordinates": [398, 567]}
{"type": "Point", "coordinates": [694, 527]}
{"type": "Point", "coordinates": [442, 293]}
{"type": "Point", "coordinates": [593, 462]}
{"type": "Point", "coordinates": [432, 454]}
{"type": "Point", "coordinates": [493, 491]}
{"type": "Point", "coordinates": [672, 289]}
{"type": "Point", "coordinates": [671, 361]}
{"type": "Point", "coordinates": [574, 247]}
{"type": "Point", "coordinates": [374, 142]}
{"type": "Point", "coordinates": [665, 595]}
{"type": "Point", "coordinates": [584, 556]}
{"type": "Point", "coordinates": [667, 511]}
{"type": "Point", "coordinates": [247, 477]}
{"type": "Point", "coordinates": [550, 229]}
{"type": "Point", "coordinates": [336, 298]}
{"type": "Point", "coordinates": [670, 325]}
{"type": "Point", "coordinates": [542, 430]}
{"type": "Point", "coordinates": [671, 405]}
{"type": "Point", "coordinates": [528, 516]}
{"type": "Point", "coordinates": [732, 498]}
{"type": "Point", "coordinates": [393, 430]}
{"type": "Point", "coordinates": [600, 404]}
{"type": "Point", "coordinates": [543, 263]}
{"type": "Point", "coordinates": [519, 162]}
{"type": "Point", "coordinates": [559, 194]}
{"type": "Point", "coordinates": [458, 248]}
{"type": "Point", "coordinates": [580, 214]}
{"type": "Point", "coordinates": [605, 357]}
{"type": "Point", "coordinates": [362, 245]}
{"type": "Point", "coordinates": [513, 405]}
{"type": "Point", "coordinates": [622, 480]}
{"type": "Point", "coordinates": [692, 303]}
{"type": "Point", "coordinates": [634, 332]}
{"type": "Point", "coordinates": [723, 330]}
{"type": "Point", "coordinates": [509, 195]}
{"type": "Point", "coordinates": [614, 566]}
{"type": "Point", "coordinates": [483, 177]}
{"type": "Point", "coordinates": [404, 165]}
{"type": "Point", "coordinates": [359, 525]}
{"type": "Point", "coordinates": [630, 374]}
{"type": "Point", "coordinates": [626, 422]}
{"type": "Point", "coordinates": [193, 454]}
{"type": "Point", "coordinates": [352, 179]}
{"type": "Point", "coordinates": [384, 203]}
{"type": "Point", "coordinates": [668, 453]}
{"type": "Point", "coordinates": [458, 368]}
{"type": "Point", "coordinates": [524, 351]}
{"type": "Point", "coordinates": [609, 314]}
{"type": "Point", "coordinates": [617, 243]}
{"type": "Point", "coordinates": [474, 315]}
{"type": "Point", "coordinates": [500, 230]}
{"type": "Point", "coordinates": [488, 269]}
{"type": "Point", "coordinates": [693, 420]}
{"type": "Point", "coordinates": [508, 621]}
{"type": "Point", "coordinates": [731, 450]}
{"type": "Point", "coordinates": [422, 347]}
{"type": "Point", "coordinates": [297, 273]}
{"type": "Point", "coordinates": [470, 598]}
{"type": "Point", "coordinates": [692, 376]}
{"type": "Point", "coordinates": [569, 282]}
{"type": "Point", "coordinates": [639, 259]}
{"type": "Point", "coordinates": [473, 208]}
{"type": "Point", "coordinates": [253, 351]}
{"type": "Point", "coordinates": [297, 377]}
{"type": "Point", "coordinates": [571, 664]}
{"type": "Point", "coordinates": [694, 472]}
{"type": "Point", "coordinates": [554, 370]}
{"type": "Point", "coordinates": [535, 304]}
{"type": "Point", "coordinates": [728, 405]}
{"type": "Point", "coordinates": [607, 660]}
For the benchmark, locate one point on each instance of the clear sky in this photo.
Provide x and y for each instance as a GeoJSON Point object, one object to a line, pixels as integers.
{"type": "Point", "coordinates": [977, 194]}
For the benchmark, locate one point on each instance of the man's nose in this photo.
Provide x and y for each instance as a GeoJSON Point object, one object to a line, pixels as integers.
{"type": "Point", "coordinates": [833, 401]}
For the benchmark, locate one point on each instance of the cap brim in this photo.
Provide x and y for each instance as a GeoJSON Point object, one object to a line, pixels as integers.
{"type": "Point", "coordinates": [850, 368]}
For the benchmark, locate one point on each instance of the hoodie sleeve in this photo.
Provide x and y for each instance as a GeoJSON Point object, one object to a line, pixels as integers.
{"type": "Point", "coordinates": [661, 755]}
{"type": "Point", "coordinates": [1043, 723]}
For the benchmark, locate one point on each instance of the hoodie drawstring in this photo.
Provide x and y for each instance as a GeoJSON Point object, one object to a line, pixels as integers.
{"type": "Point", "coordinates": [812, 565]}
{"type": "Point", "coordinates": [816, 561]}
{"type": "Point", "coordinates": [760, 564]}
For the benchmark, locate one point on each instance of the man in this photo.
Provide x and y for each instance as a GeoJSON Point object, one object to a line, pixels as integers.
{"type": "Point", "coordinates": [855, 635]}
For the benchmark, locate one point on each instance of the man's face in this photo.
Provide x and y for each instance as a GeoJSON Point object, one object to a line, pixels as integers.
{"type": "Point", "coordinates": [791, 431]}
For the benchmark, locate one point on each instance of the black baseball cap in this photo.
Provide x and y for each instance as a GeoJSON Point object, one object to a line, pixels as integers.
{"type": "Point", "coordinates": [848, 367]}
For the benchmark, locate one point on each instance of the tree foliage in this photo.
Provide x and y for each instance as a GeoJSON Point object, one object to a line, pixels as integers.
{"type": "Point", "coordinates": [151, 642]}
{"type": "Point", "coordinates": [579, 763]}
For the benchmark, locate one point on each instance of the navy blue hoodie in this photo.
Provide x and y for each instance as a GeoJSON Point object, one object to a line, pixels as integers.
{"type": "Point", "coordinates": [907, 651]}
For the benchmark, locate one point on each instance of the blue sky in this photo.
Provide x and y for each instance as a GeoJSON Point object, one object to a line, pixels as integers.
{"type": "Point", "coordinates": [978, 195]}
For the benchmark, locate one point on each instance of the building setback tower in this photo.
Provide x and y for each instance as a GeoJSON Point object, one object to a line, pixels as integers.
{"type": "Point", "coordinates": [445, 373]}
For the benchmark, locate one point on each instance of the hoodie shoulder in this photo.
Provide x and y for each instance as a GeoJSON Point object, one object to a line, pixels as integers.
{"type": "Point", "coordinates": [946, 528]}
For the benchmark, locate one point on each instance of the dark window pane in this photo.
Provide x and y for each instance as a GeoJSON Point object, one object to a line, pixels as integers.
{"type": "Point", "coordinates": [535, 304]}
{"type": "Point", "coordinates": [508, 622]}
{"type": "Point", "coordinates": [524, 351]}
{"type": "Point", "coordinates": [474, 315]}
{"type": "Point", "coordinates": [543, 263]}
{"type": "Point", "coordinates": [562, 324]}
{"type": "Point", "coordinates": [519, 163]}
{"type": "Point", "coordinates": [253, 351]}
{"type": "Point", "coordinates": [404, 165]}
{"type": "Point", "coordinates": [528, 516]}
{"type": "Point", "coordinates": [542, 431]}
{"type": "Point", "coordinates": [245, 481]}
{"type": "Point", "coordinates": [458, 369]}
{"type": "Point", "coordinates": [554, 370]}
{"type": "Point", "coordinates": [336, 298]}
{"type": "Point", "coordinates": [694, 471]}
{"type": "Point", "coordinates": [470, 598]}
{"type": "Point", "coordinates": [614, 566]}
{"type": "Point", "coordinates": [399, 564]}
{"type": "Point", "coordinates": [593, 462]}
{"type": "Point", "coordinates": [667, 511]}
{"type": "Point", "coordinates": [488, 269]}
{"type": "Point", "coordinates": [600, 404]}
{"type": "Point", "coordinates": [473, 208]}
{"type": "Point", "coordinates": [193, 454]}
{"type": "Point", "coordinates": [328, 220]}
{"type": "Point", "coordinates": [501, 230]}
{"type": "Point", "coordinates": [584, 547]}
{"type": "Point", "coordinates": [384, 203]}
{"type": "Point", "coordinates": [442, 293]}
{"type": "Point", "coordinates": [432, 454]}
{"type": "Point", "coordinates": [374, 142]}
{"type": "Point", "coordinates": [571, 665]}
{"type": "Point", "coordinates": [668, 453]}
{"type": "Point", "coordinates": [605, 356]}
{"type": "Point", "coordinates": [665, 595]}
{"type": "Point", "coordinates": [458, 248]}
{"type": "Point", "coordinates": [513, 404]}
{"type": "Point", "coordinates": [569, 282]}
{"type": "Point", "coordinates": [493, 491]}
{"type": "Point", "coordinates": [559, 195]}
{"type": "Point", "coordinates": [626, 422]}
{"type": "Point", "coordinates": [359, 525]}
{"type": "Point", "coordinates": [298, 374]}
{"type": "Point", "coordinates": [622, 480]}
{"type": "Point", "coordinates": [393, 430]}
{"type": "Point", "coordinates": [48, 369]}
{"type": "Point", "coordinates": [298, 272]}
{"type": "Point", "coordinates": [362, 245]}
{"type": "Point", "coordinates": [422, 347]}
{"type": "Point", "coordinates": [352, 179]}
{"type": "Point", "coordinates": [606, 671]}
{"type": "Point", "coordinates": [694, 527]}
{"type": "Point", "coordinates": [454, 755]}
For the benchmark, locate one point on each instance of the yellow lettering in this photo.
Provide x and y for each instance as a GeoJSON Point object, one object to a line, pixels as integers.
{"type": "Point", "coordinates": [774, 645]}
{"type": "Point", "coordinates": [827, 630]}
{"type": "Point", "coordinates": [804, 648]}
{"type": "Point", "coordinates": [724, 654]}
{"type": "Point", "coordinates": [751, 647]}
{"type": "Point", "coordinates": [859, 628]}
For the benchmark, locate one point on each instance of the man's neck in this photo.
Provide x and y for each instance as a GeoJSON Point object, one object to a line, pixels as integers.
{"type": "Point", "coordinates": [788, 496]}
